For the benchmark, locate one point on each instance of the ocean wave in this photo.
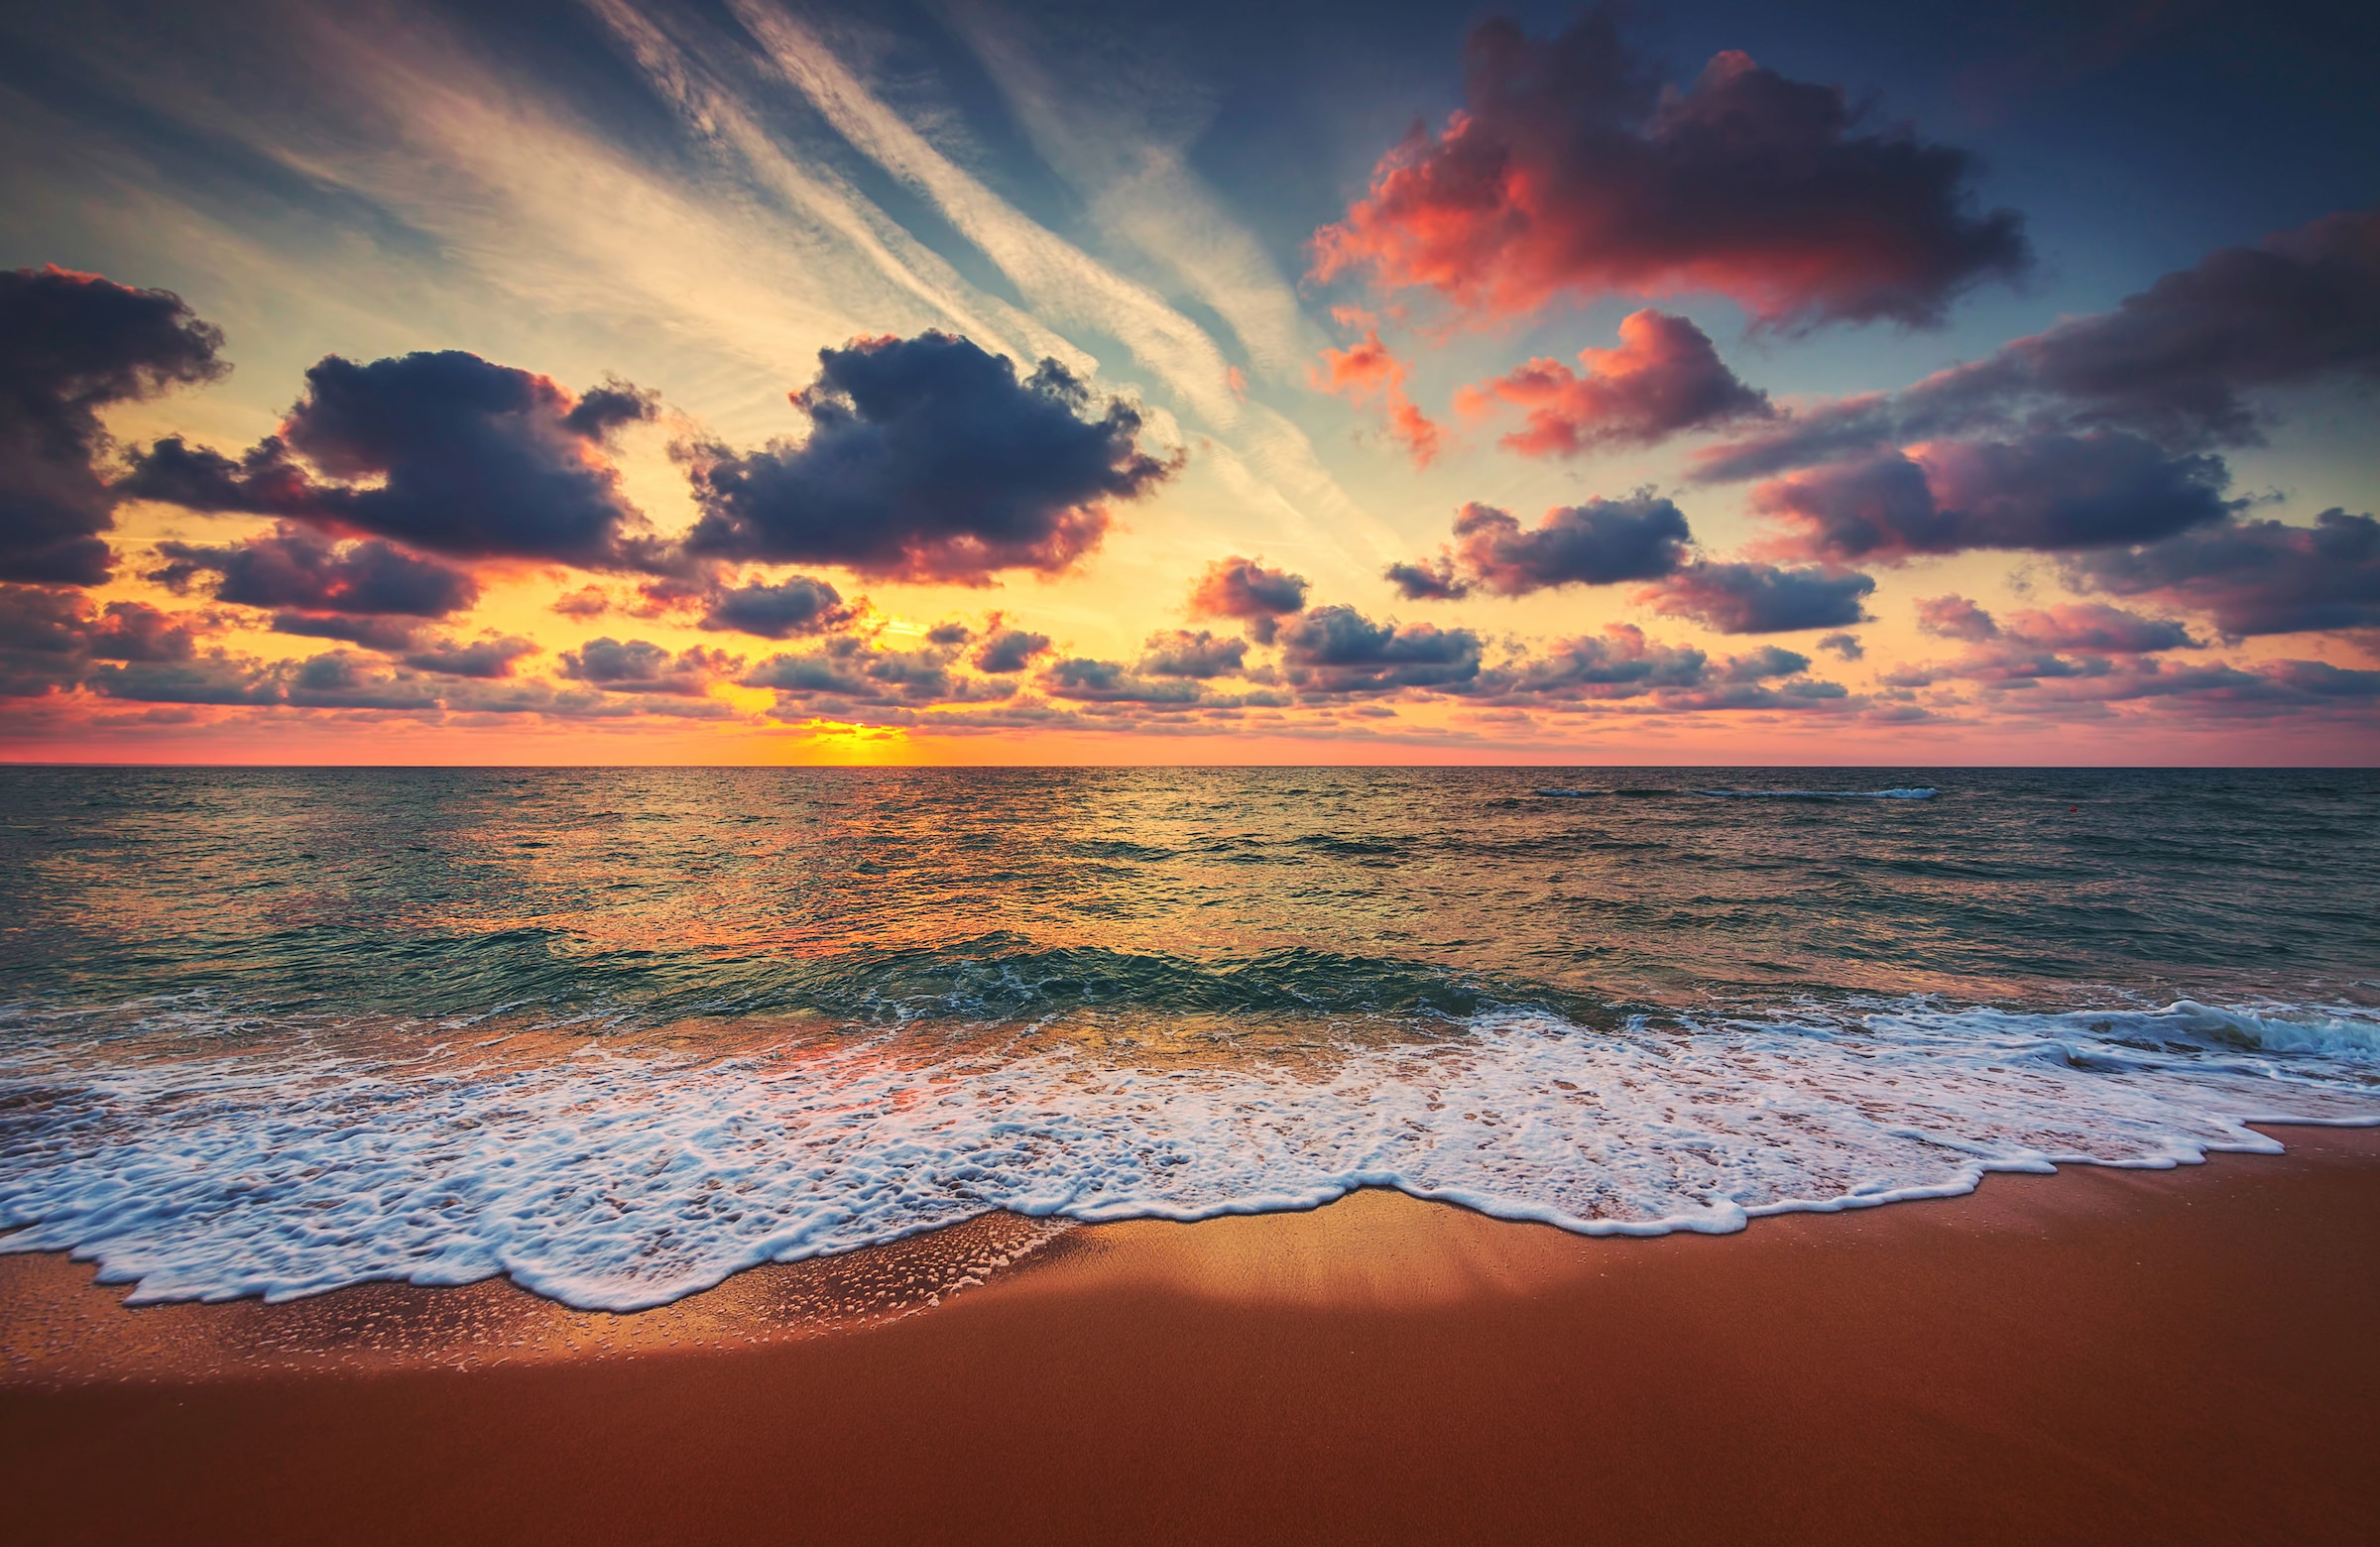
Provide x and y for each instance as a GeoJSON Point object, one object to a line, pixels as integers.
{"type": "Point", "coordinates": [620, 1178]}
{"type": "Point", "coordinates": [1914, 794]}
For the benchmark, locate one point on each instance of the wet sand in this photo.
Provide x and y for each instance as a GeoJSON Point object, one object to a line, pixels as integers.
{"type": "Point", "coordinates": [2187, 1355]}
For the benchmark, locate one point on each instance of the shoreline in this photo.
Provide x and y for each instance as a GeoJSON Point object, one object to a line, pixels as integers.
{"type": "Point", "coordinates": [2102, 1354]}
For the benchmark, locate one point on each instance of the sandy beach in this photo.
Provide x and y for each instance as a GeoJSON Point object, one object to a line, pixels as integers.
{"type": "Point", "coordinates": [2100, 1355]}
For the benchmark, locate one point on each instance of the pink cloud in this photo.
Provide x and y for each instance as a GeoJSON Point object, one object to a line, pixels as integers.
{"type": "Point", "coordinates": [1663, 380]}
{"type": "Point", "coordinates": [1570, 171]}
{"type": "Point", "coordinates": [1368, 372]}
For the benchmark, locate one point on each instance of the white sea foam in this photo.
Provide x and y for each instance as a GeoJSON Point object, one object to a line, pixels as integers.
{"type": "Point", "coordinates": [625, 1180]}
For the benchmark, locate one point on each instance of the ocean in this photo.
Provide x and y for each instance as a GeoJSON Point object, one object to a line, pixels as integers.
{"type": "Point", "coordinates": [620, 1033]}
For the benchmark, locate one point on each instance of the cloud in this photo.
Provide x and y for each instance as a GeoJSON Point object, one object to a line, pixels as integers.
{"type": "Point", "coordinates": [642, 667]}
{"type": "Point", "coordinates": [1954, 618]}
{"type": "Point", "coordinates": [1337, 649]}
{"type": "Point", "coordinates": [1434, 580]}
{"type": "Point", "coordinates": [2253, 577]}
{"type": "Point", "coordinates": [371, 631]}
{"type": "Point", "coordinates": [588, 601]}
{"type": "Point", "coordinates": [445, 452]}
{"type": "Point", "coordinates": [800, 604]}
{"type": "Point", "coordinates": [2100, 627]}
{"type": "Point", "coordinates": [1770, 660]}
{"type": "Point", "coordinates": [346, 681]}
{"type": "Point", "coordinates": [2049, 491]}
{"type": "Point", "coordinates": [1663, 380]}
{"type": "Point", "coordinates": [1744, 598]}
{"type": "Point", "coordinates": [1846, 647]}
{"type": "Point", "coordinates": [1005, 651]}
{"type": "Point", "coordinates": [1570, 171]}
{"type": "Point", "coordinates": [1057, 278]}
{"type": "Point", "coordinates": [71, 344]}
{"type": "Point", "coordinates": [1601, 543]}
{"type": "Point", "coordinates": [2021, 680]}
{"type": "Point", "coordinates": [488, 657]}
{"type": "Point", "coordinates": [49, 637]}
{"type": "Point", "coordinates": [293, 567]}
{"type": "Point", "coordinates": [927, 459]}
{"type": "Point", "coordinates": [1620, 663]}
{"type": "Point", "coordinates": [2175, 364]}
{"type": "Point", "coordinates": [842, 674]}
{"type": "Point", "coordinates": [2175, 361]}
{"type": "Point", "coordinates": [1178, 652]}
{"type": "Point", "coordinates": [1244, 588]}
{"type": "Point", "coordinates": [1121, 129]}
{"type": "Point", "coordinates": [1366, 372]}
{"type": "Point", "coordinates": [1623, 665]}
{"type": "Point", "coordinates": [1112, 682]}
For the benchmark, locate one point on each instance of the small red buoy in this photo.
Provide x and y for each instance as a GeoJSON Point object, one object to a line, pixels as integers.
{"type": "Point", "coordinates": [2073, 808]}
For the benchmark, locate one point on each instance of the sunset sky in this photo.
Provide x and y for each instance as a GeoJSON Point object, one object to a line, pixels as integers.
{"type": "Point", "coordinates": [745, 382]}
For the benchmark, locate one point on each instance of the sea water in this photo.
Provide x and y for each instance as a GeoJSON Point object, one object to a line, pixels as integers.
{"type": "Point", "coordinates": [620, 1033]}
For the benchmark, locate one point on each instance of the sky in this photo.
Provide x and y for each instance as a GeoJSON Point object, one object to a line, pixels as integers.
{"type": "Point", "coordinates": [631, 382]}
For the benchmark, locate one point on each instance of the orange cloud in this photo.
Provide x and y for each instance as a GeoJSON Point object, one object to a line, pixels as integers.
{"type": "Point", "coordinates": [1369, 371]}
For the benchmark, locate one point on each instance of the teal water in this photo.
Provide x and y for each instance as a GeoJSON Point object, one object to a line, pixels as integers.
{"type": "Point", "coordinates": [266, 1031]}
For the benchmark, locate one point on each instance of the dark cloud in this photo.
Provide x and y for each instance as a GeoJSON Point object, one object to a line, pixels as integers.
{"type": "Point", "coordinates": [1846, 647]}
{"type": "Point", "coordinates": [1663, 380]}
{"type": "Point", "coordinates": [1620, 663]}
{"type": "Point", "coordinates": [2175, 361]}
{"type": "Point", "coordinates": [2050, 491]}
{"type": "Point", "coordinates": [951, 634]}
{"type": "Point", "coordinates": [1599, 542]}
{"type": "Point", "coordinates": [446, 452]}
{"type": "Point", "coordinates": [50, 637]}
{"type": "Point", "coordinates": [344, 680]}
{"type": "Point", "coordinates": [71, 344]}
{"type": "Point", "coordinates": [448, 677]}
{"type": "Point", "coordinates": [1848, 428]}
{"type": "Point", "coordinates": [371, 632]}
{"type": "Point", "coordinates": [927, 459]}
{"type": "Point", "coordinates": [2254, 576]}
{"type": "Point", "coordinates": [296, 568]}
{"type": "Point", "coordinates": [800, 604]}
{"type": "Point", "coordinates": [1770, 660]}
{"type": "Point", "coordinates": [215, 677]}
{"type": "Point", "coordinates": [1572, 171]}
{"type": "Point", "coordinates": [1762, 598]}
{"type": "Point", "coordinates": [642, 667]}
{"type": "Point", "coordinates": [2320, 680]}
{"type": "Point", "coordinates": [488, 657]}
{"type": "Point", "coordinates": [1433, 581]}
{"type": "Point", "coordinates": [1010, 650]}
{"type": "Point", "coordinates": [1178, 652]}
{"type": "Point", "coordinates": [2028, 680]}
{"type": "Point", "coordinates": [1244, 588]}
{"type": "Point", "coordinates": [1623, 665]}
{"type": "Point", "coordinates": [1113, 682]}
{"type": "Point", "coordinates": [2176, 364]}
{"type": "Point", "coordinates": [1954, 618]}
{"type": "Point", "coordinates": [1337, 649]}
{"type": "Point", "coordinates": [847, 672]}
